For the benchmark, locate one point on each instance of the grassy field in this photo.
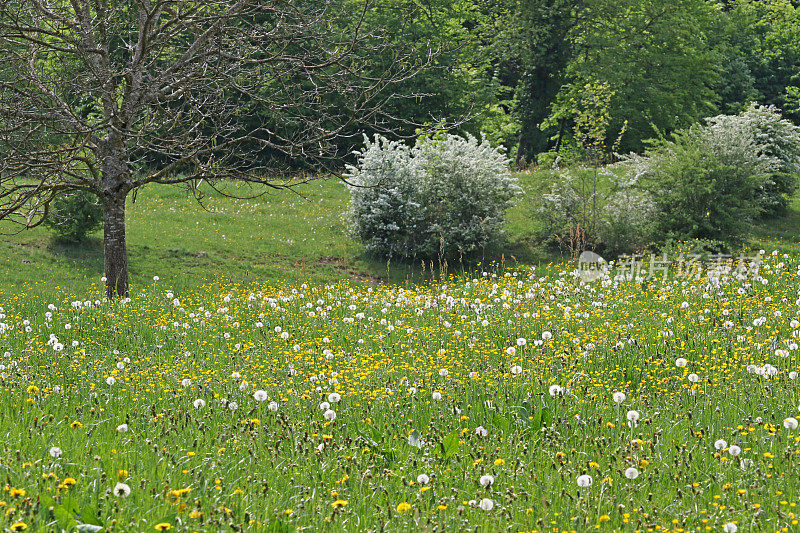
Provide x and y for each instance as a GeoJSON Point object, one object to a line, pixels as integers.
{"type": "Point", "coordinates": [282, 236]}
{"type": "Point", "coordinates": [521, 402]}
{"type": "Point", "coordinates": [273, 378]}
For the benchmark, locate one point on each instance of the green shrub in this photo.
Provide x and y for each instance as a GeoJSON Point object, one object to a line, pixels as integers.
{"type": "Point", "coordinates": [73, 215]}
{"type": "Point", "coordinates": [706, 182]}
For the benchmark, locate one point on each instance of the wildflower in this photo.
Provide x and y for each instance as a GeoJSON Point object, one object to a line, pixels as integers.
{"type": "Point", "coordinates": [556, 390]}
{"type": "Point", "coordinates": [273, 406]}
{"type": "Point", "coordinates": [233, 406]}
{"type": "Point", "coordinates": [334, 397]}
{"type": "Point", "coordinates": [499, 462]}
{"type": "Point", "coordinates": [487, 504]}
{"type": "Point", "coordinates": [122, 489]}
{"type": "Point", "coordinates": [633, 418]}
{"type": "Point", "coordinates": [186, 382]}
{"type": "Point", "coordinates": [403, 507]}
{"type": "Point", "coordinates": [619, 397]}
{"type": "Point", "coordinates": [790, 423]}
{"type": "Point", "coordinates": [444, 372]}
{"type": "Point", "coordinates": [730, 527]}
{"type": "Point", "coordinates": [199, 403]}
{"type": "Point", "coordinates": [521, 342]}
{"type": "Point", "coordinates": [585, 480]}
{"type": "Point", "coordinates": [329, 415]}
{"type": "Point", "coordinates": [680, 362]}
{"type": "Point", "coordinates": [55, 452]}
{"type": "Point", "coordinates": [720, 444]}
{"type": "Point", "coordinates": [516, 369]}
{"type": "Point", "coordinates": [423, 479]}
{"type": "Point", "coordinates": [436, 395]}
{"type": "Point", "coordinates": [260, 395]}
{"type": "Point", "coordinates": [511, 350]}
{"type": "Point", "coordinates": [631, 473]}
{"type": "Point", "coordinates": [110, 380]}
{"type": "Point", "coordinates": [163, 526]}
{"type": "Point", "coordinates": [487, 480]}
{"type": "Point", "coordinates": [481, 431]}
{"type": "Point", "coordinates": [19, 526]}
{"type": "Point", "coordinates": [734, 450]}
{"type": "Point", "coordinates": [122, 428]}
{"type": "Point", "coordinates": [694, 378]}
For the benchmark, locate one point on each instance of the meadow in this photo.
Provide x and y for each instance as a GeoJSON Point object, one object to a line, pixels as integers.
{"type": "Point", "coordinates": [524, 400]}
{"type": "Point", "coordinates": [267, 376]}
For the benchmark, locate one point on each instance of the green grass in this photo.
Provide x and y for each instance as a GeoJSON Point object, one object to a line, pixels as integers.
{"type": "Point", "coordinates": [272, 292]}
{"type": "Point", "coordinates": [281, 236]}
{"type": "Point", "coordinates": [432, 380]}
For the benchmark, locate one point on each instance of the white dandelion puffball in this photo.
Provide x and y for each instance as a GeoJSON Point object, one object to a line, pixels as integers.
{"type": "Point", "coordinates": [436, 395]}
{"type": "Point", "coordinates": [790, 423]}
{"type": "Point", "coordinates": [481, 431]}
{"type": "Point", "coordinates": [186, 382]}
{"type": "Point", "coordinates": [694, 378]}
{"type": "Point", "coordinates": [199, 403]}
{"type": "Point", "coordinates": [585, 480]}
{"type": "Point", "coordinates": [633, 418]}
{"type": "Point", "coordinates": [486, 480]}
{"type": "Point", "coordinates": [273, 406]}
{"type": "Point", "coordinates": [547, 335]}
{"type": "Point", "coordinates": [243, 385]}
{"type": "Point", "coordinates": [260, 395]}
{"type": "Point", "coordinates": [122, 428]}
{"type": "Point", "coordinates": [444, 372]}
{"type": "Point", "coordinates": [334, 397]}
{"type": "Point", "coordinates": [233, 406]}
{"type": "Point", "coordinates": [487, 504]}
{"type": "Point", "coordinates": [521, 342]}
{"type": "Point", "coordinates": [516, 369]}
{"type": "Point", "coordinates": [122, 489]}
{"type": "Point", "coordinates": [110, 380]}
{"type": "Point", "coordinates": [556, 390]}
{"type": "Point", "coordinates": [720, 444]}
{"type": "Point", "coordinates": [330, 415]}
{"type": "Point", "coordinates": [423, 479]}
{"type": "Point", "coordinates": [680, 362]}
{"type": "Point", "coordinates": [730, 527]}
{"type": "Point", "coordinates": [56, 452]}
{"type": "Point", "coordinates": [619, 397]}
{"type": "Point", "coordinates": [511, 350]}
{"type": "Point", "coordinates": [324, 406]}
{"type": "Point", "coordinates": [734, 450]}
{"type": "Point", "coordinates": [631, 473]}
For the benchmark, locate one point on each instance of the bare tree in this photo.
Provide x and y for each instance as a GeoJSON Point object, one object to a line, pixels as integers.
{"type": "Point", "coordinates": [106, 96]}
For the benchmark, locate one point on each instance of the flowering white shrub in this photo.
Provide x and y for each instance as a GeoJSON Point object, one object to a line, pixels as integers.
{"type": "Point", "coordinates": [774, 137]}
{"type": "Point", "coordinates": [445, 196]}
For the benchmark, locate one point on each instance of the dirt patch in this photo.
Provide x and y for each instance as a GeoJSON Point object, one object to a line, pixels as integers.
{"type": "Point", "coordinates": [341, 264]}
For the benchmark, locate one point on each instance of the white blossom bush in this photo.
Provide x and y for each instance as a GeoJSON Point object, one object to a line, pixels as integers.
{"type": "Point", "coordinates": [774, 137]}
{"type": "Point", "coordinates": [445, 196]}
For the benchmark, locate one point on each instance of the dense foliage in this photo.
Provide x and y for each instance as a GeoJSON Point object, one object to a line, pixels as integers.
{"type": "Point", "coordinates": [444, 197]}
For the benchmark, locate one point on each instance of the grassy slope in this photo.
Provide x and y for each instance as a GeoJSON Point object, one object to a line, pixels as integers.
{"type": "Point", "coordinates": [282, 236]}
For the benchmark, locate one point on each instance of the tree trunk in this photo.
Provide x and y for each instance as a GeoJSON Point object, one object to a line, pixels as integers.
{"type": "Point", "coordinates": [114, 247]}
